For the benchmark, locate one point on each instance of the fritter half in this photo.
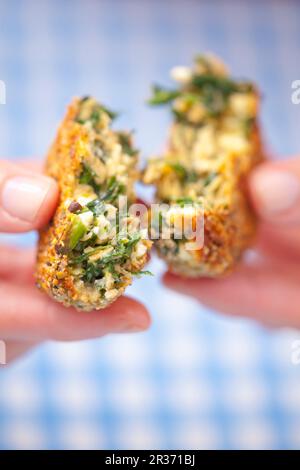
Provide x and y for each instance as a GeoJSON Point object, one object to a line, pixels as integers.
{"type": "Point", "coordinates": [93, 246]}
{"type": "Point", "coordinates": [214, 142]}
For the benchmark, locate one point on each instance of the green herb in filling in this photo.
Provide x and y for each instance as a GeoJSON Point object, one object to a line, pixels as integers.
{"type": "Point", "coordinates": [92, 272]}
{"type": "Point", "coordinates": [248, 125]}
{"type": "Point", "coordinates": [113, 190]}
{"type": "Point", "coordinates": [82, 245]}
{"type": "Point", "coordinates": [96, 206]}
{"type": "Point", "coordinates": [209, 178]}
{"type": "Point", "coordinates": [162, 95]}
{"type": "Point", "coordinates": [92, 113]}
{"type": "Point", "coordinates": [215, 91]}
{"type": "Point", "coordinates": [179, 169]}
{"type": "Point", "coordinates": [115, 252]}
{"type": "Point", "coordinates": [208, 89]}
{"type": "Point", "coordinates": [78, 229]}
{"type": "Point", "coordinates": [142, 273]}
{"type": "Point", "coordinates": [120, 253]}
{"type": "Point", "coordinates": [186, 175]}
{"type": "Point", "coordinates": [88, 176]}
{"type": "Point", "coordinates": [126, 145]}
{"type": "Point", "coordinates": [182, 201]}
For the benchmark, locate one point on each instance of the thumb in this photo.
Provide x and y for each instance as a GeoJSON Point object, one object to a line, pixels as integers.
{"type": "Point", "coordinates": [27, 198]}
{"type": "Point", "coordinates": [275, 191]}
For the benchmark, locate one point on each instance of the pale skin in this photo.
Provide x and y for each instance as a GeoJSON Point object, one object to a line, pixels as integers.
{"type": "Point", "coordinates": [27, 316]}
{"type": "Point", "coordinates": [265, 287]}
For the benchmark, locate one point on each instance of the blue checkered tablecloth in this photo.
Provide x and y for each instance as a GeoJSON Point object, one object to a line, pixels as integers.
{"type": "Point", "coordinates": [196, 379]}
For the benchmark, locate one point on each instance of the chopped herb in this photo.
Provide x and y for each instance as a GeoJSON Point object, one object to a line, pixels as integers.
{"type": "Point", "coordinates": [95, 117]}
{"type": "Point", "coordinates": [95, 270]}
{"type": "Point", "coordinates": [202, 60]}
{"type": "Point", "coordinates": [99, 149]}
{"type": "Point", "coordinates": [110, 193]}
{"type": "Point", "coordinates": [139, 274]}
{"type": "Point", "coordinates": [112, 114]}
{"type": "Point", "coordinates": [248, 125]}
{"type": "Point", "coordinates": [211, 90]}
{"type": "Point", "coordinates": [181, 117]}
{"type": "Point", "coordinates": [162, 95]}
{"type": "Point", "coordinates": [192, 177]}
{"type": "Point", "coordinates": [215, 91]}
{"type": "Point", "coordinates": [209, 178]}
{"type": "Point", "coordinates": [113, 191]}
{"type": "Point", "coordinates": [190, 98]}
{"type": "Point", "coordinates": [88, 176]}
{"type": "Point", "coordinates": [184, 200]}
{"type": "Point", "coordinates": [82, 245]}
{"type": "Point", "coordinates": [96, 207]}
{"type": "Point", "coordinates": [214, 100]}
{"type": "Point", "coordinates": [226, 85]}
{"type": "Point", "coordinates": [92, 272]}
{"type": "Point", "coordinates": [188, 176]}
{"type": "Point", "coordinates": [179, 169]}
{"type": "Point", "coordinates": [85, 256]}
{"type": "Point", "coordinates": [94, 114]}
{"type": "Point", "coordinates": [223, 84]}
{"type": "Point", "coordinates": [133, 240]}
{"type": "Point", "coordinates": [116, 275]}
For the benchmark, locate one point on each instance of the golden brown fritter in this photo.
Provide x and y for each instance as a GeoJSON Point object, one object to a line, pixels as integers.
{"type": "Point", "coordinates": [213, 143]}
{"type": "Point", "coordinates": [89, 252]}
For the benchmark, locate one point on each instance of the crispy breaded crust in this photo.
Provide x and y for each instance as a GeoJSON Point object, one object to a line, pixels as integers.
{"type": "Point", "coordinates": [226, 235]}
{"type": "Point", "coordinates": [64, 164]}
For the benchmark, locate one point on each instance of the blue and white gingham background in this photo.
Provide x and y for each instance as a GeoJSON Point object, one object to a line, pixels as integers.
{"type": "Point", "coordinates": [196, 379]}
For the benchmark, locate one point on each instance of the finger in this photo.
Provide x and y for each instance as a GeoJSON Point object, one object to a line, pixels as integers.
{"type": "Point", "coordinates": [275, 191]}
{"type": "Point", "coordinates": [16, 263]}
{"type": "Point", "coordinates": [27, 198]}
{"type": "Point", "coordinates": [280, 243]}
{"type": "Point", "coordinates": [257, 291]}
{"type": "Point", "coordinates": [26, 313]}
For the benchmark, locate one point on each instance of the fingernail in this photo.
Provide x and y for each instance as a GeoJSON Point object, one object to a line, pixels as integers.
{"type": "Point", "coordinates": [23, 196]}
{"type": "Point", "coordinates": [277, 191]}
{"type": "Point", "coordinates": [134, 327]}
